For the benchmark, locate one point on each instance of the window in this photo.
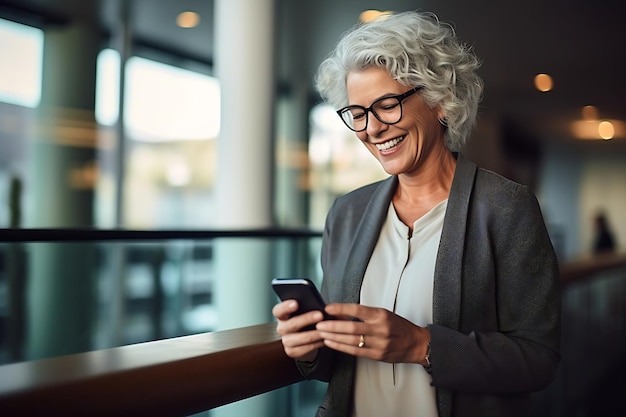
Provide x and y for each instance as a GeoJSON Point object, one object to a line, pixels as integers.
{"type": "Point", "coordinates": [163, 102]}
{"type": "Point", "coordinates": [21, 49]}
{"type": "Point", "coordinates": [171, 120]}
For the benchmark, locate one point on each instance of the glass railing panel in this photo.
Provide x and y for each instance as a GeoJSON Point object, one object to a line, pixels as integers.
{"type": "Point", "coordinates": [59, 298]}
{"type": "Point", "coordinates": [65, 297]}
{"type": "Point", "coordinates": [589, 380]}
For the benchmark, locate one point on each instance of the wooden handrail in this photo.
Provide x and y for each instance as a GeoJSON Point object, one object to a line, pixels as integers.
{"type": "Point", "coordinates": [172, 377]}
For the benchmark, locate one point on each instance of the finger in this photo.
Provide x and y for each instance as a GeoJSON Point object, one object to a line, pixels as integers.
{"type": "Point", "coordinates": [302, 344]}
{"type": "Point", "coordinates": [304, 338]}
{"type": "Point", "coordinates": [304, 352]}
{"type": "Point", "coordinates": [297, 323]}
{"type": "Point", "coordinates": [284, 309]}
{"type": "Point", "coordinates": [352, 340]}
{"type": "Point", "coordinates": [357, 311]}
{"type": "Point", "coordinates": [349, 327]}
{"type": "Point", "coordinates": [350, 349]}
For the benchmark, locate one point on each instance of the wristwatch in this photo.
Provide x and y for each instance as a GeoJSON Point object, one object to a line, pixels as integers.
{"type": "Point", "coordinates": [427, 367]}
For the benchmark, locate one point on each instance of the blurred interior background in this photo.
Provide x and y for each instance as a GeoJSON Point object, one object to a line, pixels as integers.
{"type": "Point", "coordinates": [114, 115]}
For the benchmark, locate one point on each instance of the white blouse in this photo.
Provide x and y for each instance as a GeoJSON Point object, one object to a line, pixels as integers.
{"type": "Point", "coordinates": [399, 278]}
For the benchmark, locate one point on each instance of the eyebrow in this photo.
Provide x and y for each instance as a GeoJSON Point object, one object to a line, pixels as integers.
{"type": "Point", "coordinates": [387, 95]}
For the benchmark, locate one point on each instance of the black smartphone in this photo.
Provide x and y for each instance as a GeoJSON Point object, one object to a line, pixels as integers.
{"type": "Point", "coordinates": [302, 290]}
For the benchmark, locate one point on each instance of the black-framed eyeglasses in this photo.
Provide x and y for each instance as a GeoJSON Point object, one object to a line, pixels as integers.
{"type": "Point", "coordinates": [386, 109]}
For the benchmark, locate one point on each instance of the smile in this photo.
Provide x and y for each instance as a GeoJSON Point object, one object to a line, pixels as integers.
{"type": "Point", "coordinates": [389, 144]}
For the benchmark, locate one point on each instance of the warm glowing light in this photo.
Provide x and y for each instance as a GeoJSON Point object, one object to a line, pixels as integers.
{"type": "Point", "coordinates": [371, 15]}
{"type": "Point", "coordinates": [543, 82]}
{"type": "Point", "coordinates": [590, 113]}
{"type": "Point", "coordinates": [606, 130]}
{"type": "Point", "coordinates": [599, 129]}
{"type": "Point", "coordinates": [188, 19]}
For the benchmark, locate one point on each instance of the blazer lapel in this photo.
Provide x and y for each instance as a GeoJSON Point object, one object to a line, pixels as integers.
{"type": "Point", "coordinates": [447, 285]}
{"type": "Point", "coordinates": [366, 238]}
{"type": "Point", "coordinates": [448, 269]}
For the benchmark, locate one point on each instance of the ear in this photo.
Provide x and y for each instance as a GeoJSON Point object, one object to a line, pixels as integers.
{"type": "Point", "coordinates": [441, 115]}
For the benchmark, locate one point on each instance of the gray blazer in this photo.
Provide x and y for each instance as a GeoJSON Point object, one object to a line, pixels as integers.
{"type": "Point", "coordinates": [495, 335]}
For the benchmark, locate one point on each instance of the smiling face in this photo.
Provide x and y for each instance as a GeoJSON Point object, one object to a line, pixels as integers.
{"type": "Point", "coordinates": [404, 147]}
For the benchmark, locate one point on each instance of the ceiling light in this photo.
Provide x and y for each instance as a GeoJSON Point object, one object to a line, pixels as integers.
{"type": "Point", "coordinates": [590, 113]}
{"type": "Point", "coordinates": [543, 82]}
{"type": "Point", "coordinates": [606, 130]}
{"type": "Point", "coordinates": [599, 129]}
{"type": "Point", "coordinates": [188, 19]}
{"type": "Point", "coordinates": [371, 15]}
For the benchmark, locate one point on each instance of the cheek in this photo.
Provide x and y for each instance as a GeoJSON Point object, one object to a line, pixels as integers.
{"type": "Point", "coordinates": [427, 124]}
{"type": "Point", "coordinates": [421, 113]}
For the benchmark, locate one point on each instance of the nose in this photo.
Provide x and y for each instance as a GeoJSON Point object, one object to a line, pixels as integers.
{"type": "Point", "coordinates": [375, 126]}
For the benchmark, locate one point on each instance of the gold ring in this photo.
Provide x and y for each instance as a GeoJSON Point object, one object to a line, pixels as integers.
{"type": "Point", "coordinates": [361, 341]}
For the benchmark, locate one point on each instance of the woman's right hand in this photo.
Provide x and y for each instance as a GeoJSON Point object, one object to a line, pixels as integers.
{"type": "Point", "coordinates": [298, 344]}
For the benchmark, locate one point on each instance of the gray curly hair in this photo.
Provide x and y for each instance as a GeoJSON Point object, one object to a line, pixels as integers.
{"type": "Point", "coordinates": [416, 49]}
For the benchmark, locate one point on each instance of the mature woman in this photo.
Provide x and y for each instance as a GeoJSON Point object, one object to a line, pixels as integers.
{"type": "Point", "coordinates": [442, 276]}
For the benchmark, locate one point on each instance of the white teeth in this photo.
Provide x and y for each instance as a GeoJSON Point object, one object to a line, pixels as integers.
{"type": "Point", "coordinates": [389, 144]}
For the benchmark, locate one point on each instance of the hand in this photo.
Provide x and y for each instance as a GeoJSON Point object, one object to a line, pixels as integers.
{"type": "Point", "coordinates": [298, 344]}
{"type": "Point", "coordinates": [387, 336]}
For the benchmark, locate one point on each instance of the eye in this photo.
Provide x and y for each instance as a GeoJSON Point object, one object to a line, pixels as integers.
{"type": "Point", "coordinates": [357, 114]}
{"type": "Point", "coordinates": [387, 104]}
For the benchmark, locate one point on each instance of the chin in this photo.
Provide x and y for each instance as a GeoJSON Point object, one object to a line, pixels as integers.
{"type": "Point", "coordinates": [392, 170]}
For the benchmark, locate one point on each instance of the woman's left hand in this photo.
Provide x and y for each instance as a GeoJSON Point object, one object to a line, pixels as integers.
{"type": "Point", "coordinates": [386, 336]}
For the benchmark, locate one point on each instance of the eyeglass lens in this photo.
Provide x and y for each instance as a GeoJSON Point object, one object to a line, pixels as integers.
{"type": "Point", "coordinates": [387, 110]}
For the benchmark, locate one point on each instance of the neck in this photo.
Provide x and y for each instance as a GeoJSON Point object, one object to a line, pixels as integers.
{"type": "Point", "coordinates": [432, 183]}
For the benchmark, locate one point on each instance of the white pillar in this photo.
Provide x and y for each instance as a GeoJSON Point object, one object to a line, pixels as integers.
{"type": "Point", "coordinates": [244, 66]}
{"type": "Point", "coordinates": [244, 62]}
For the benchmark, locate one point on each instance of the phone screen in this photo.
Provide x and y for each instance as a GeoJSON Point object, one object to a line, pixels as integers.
{"type": "Point", "coordinates": [302, 290]}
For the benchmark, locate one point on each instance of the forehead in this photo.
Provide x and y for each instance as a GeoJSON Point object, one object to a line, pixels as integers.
{"type": "Point", "coordinates": [367, 85]}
